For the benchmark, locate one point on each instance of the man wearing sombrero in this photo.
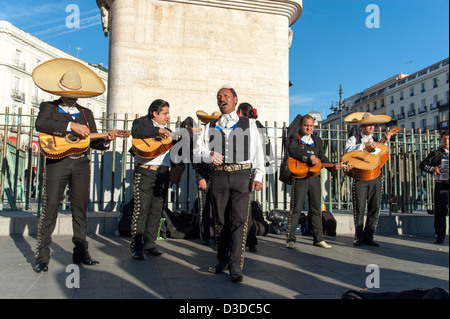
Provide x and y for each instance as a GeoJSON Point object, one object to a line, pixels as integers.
{"type": "Point", "coordinates": [70, 80]}
{"type": "Point", "coordinates": [365, 191]}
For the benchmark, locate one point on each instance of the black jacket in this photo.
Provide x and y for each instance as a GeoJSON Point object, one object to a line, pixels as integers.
{"type": "Point", "coordinates": [303, 152]}
{"type": "Point", "coordinates": [433, 159]}
{"type": "Point", "coordinates": [51, 121]}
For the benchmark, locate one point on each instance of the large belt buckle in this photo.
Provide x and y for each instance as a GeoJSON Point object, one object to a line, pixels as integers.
{"type": "Point", "coordinates": [228, 168]}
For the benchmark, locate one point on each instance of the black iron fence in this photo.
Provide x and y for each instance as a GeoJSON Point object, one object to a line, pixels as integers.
{"type": "Point", "coordinates": [404, 187]}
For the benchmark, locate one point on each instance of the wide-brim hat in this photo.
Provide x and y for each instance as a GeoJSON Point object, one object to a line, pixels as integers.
{"type": "Point", "coordinates": [206, 118]}
{"type": "Point", "coordinates": [366, 118]}
{"type": "Point", "coordinates": [68, 78]}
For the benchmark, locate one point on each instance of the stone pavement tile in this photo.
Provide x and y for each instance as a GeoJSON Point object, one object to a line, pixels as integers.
{"type": "Point", "coordinates": [274, 272]}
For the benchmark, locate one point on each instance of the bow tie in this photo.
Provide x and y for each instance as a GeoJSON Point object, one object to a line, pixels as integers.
{"type": "Point", "coordinates": [226, 121]}
{"type": "Point", "coordinates": [304, 143]}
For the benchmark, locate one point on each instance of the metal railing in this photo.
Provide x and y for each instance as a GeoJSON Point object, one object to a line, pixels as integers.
{"type": "Point", "coordinates": [404, 187]}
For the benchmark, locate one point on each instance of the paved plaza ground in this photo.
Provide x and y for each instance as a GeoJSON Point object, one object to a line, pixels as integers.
{"type": "Point", "coordinates": [273, 272]}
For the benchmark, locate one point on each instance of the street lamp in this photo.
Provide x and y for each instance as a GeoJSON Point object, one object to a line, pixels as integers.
{"type": "Point", "coordinates": [339, 107]}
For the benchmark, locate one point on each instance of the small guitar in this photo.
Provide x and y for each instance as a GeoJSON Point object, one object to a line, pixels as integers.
{"type": "Point", "coordinates": [56, 147]}
{"type": "Point", "coordinates": [301, 169]}
{"type": "Point", "coordinates": [366, 165]}
{"type": "Point", "coordinates": [151, 147]}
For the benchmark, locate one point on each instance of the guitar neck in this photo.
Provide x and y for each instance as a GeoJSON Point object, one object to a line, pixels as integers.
{"type": "Point", "coordinates": [98, 135]}
{"type": "Point", "coordinates": [328, 165]}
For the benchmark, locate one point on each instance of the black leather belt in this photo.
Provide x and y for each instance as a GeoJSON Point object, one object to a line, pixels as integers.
{"type": "Point", "coordinates": [233, 167]}
{"type": "Point", "coordinates": [153, 167]}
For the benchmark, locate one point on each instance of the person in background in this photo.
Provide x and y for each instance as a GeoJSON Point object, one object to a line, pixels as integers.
{"type": "Point", "coordinates": [433, 164]}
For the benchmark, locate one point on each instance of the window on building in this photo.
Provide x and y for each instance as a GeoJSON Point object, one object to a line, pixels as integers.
{"type": "Point", "coordinates": [423, 124]}
{"type": "Point", "coordinates": [411, 91]}
{"type": "Point", "coordinates": [392, 99]}
{"type": "Point", "coordinates": [401, 95]}
{"type": "Point", "coordinates": [435, 82]}
{"type": "Point", "coordinates": [422, 87]}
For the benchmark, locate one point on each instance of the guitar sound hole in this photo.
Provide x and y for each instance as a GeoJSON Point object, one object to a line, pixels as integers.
{"type": "Point", "coordinates": [158, 139]}
{"type": "Point", "coordinates": [72, 138]}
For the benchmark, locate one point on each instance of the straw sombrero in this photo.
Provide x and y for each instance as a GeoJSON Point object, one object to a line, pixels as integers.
{"type": "Point", "coordinates": [366, 118]}
{"type": "Point", "coordinates": [68, 78]}
{"type": "Point", "coordinates": [206, 118]}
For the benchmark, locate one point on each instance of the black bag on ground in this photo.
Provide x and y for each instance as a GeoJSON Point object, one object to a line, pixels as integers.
{"type": "Point", "coordinates": [420, 293]}
{"type": "Point", "coordinates": [293, 128]}
{"type": "Point", "coordinates": [329, 224]}
{"type": "Point", "coordinates": [124, 225]}
{"type": "Point", "coordinates": [260, 224]}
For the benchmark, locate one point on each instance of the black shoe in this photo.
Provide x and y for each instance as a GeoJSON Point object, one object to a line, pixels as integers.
{"type": "Point", "coordinates": [220, 267]}
{"type": "Point", "coordinates": [236, 275]}
{"type": "Point", "coordinates": [41, 267]}
{"type": "Point", "coordinates": [154, 252]}
{"type": "Point", "coordinates": [138, 255]}
{"type": "Point", "coordinates": [87, 261]}
{"type": "Point", "coordinates": [252, 249]}
{"type": "Point", "coordinates": [439, 241]}
{"type": "Point", "coordinates": [357, 242]}
{"type": "Point", "coordinates": [370, 242]}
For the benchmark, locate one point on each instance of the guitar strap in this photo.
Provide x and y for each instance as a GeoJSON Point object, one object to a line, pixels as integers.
{"type": "Point", "coordinates": [84, 115]}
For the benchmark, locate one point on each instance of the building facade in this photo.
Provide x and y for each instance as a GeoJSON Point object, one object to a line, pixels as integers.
{"type": "Point", "coordinates": [416, 101]}
{"type": "Point", "coordinates": [21, 52]}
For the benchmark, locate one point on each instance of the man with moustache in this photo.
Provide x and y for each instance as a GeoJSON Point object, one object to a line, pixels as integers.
{"type": "Point", "coordinates": [308, 148]}
{"type": "Point", "coordinates": [232, 146]}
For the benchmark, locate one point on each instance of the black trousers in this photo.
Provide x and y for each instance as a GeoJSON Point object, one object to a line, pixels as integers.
{"type": "Point", "coordinates": [441, 198]}
{"type": "Point", "coordinates": [204, 206]}
{"type": "Point", "coordinates": [366, 193]}
{"type": "Point", "coordinates": [150, 189]}
{"type": "Point", "coordinates": [230, 193]}
{"type": "Point", "coordinates": [57, 174]}
{"type": "Point", "coordinates": [300, 188]}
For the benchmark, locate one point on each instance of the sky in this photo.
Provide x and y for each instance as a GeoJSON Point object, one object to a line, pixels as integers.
{"type": "Point", "coordinates": [353, 43]}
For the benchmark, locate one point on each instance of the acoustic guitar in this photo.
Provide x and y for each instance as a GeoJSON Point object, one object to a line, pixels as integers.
{"type": "Point", "coordinates": [56, 147]}
{"type": "Point", "coordinates": [366, 165]}
{"type": "Point", "coordinates": [301, 169]}
{"type": "Point", "coordinates": [151, 147]}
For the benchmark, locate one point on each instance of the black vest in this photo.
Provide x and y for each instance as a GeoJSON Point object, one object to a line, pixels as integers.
{"type": "Point", "coordinates": [236, 147]}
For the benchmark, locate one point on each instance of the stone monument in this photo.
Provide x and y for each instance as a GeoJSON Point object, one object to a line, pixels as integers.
{"type": "Point", "coordinates": [183, 51]}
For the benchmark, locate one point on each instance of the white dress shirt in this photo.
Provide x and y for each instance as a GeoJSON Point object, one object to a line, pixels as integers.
{"type": "Point", "coordinates": [226, 123]}
{"type": "Point", "coordinates": [351, 145]}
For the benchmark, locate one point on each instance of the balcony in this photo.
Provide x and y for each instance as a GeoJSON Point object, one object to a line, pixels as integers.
{"type": "Point", "coordinates": [423, 109]}
{"type": "Point", "coordinates": [17, 95]}
{"type": "Point", "coordinates": [36, 101]}
{"type": "Point", "coordinates": [401, 116]}
{"type": "Point", "coordinates": [411, 113]}
{"type": "Point", "coordinates": [442, 104]}
{"type": "Point", "coordinates": [19, 64]}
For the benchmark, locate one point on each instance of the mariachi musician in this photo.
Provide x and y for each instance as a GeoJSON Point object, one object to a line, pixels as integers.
{"type": "Point", "coordinates": [308, 148]}
{"type": "Point", "coordinates": [365, 191]}
{"type": "Point", "coordinates": [434, 164]}
{"type": "Point", "coordinates": [70, 80]}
